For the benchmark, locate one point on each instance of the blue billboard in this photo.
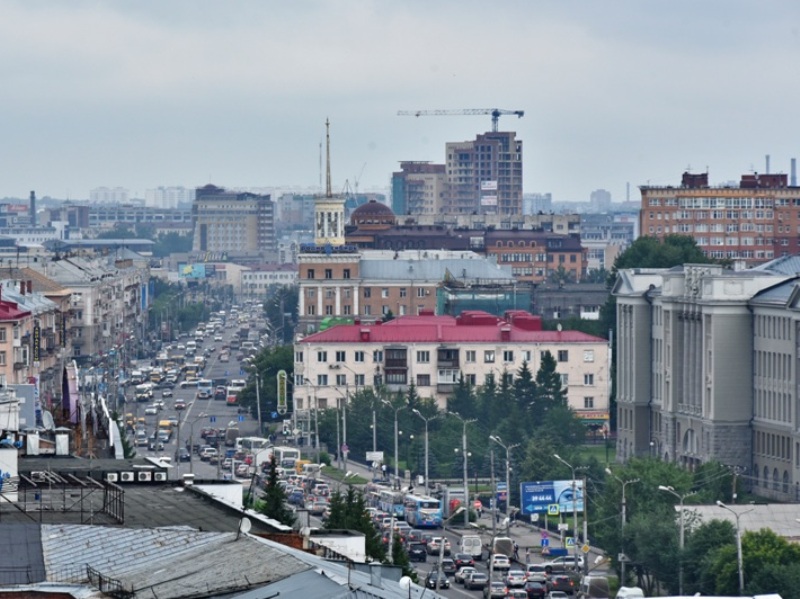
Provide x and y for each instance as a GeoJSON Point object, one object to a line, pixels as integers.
{"type": "Point", "coordinates": [542, 497]}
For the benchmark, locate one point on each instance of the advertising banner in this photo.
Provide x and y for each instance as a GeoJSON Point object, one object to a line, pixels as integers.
{"type": "Point", "coordinates": [282, 400]}
{"type": "Point", "coordinates": [37, 344]}
{"type": "Point", "coordinates": [488, 185]}
{"type": "Point", "coordinates": [191, 271]}
{"type": "Point", "coordinates": [489, 201]}
{"type": "Point", "coordinates": [541, 496]}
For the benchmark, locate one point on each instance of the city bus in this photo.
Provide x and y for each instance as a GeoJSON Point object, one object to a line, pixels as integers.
{"type": "Point", "coordinates": [286, 457]}
{"type": "Point", "coordinates": [423, 511]}
{"type": "Point", "coordinates": [251, 444]}
{"type": "Point", "coordinates": [391, 502]}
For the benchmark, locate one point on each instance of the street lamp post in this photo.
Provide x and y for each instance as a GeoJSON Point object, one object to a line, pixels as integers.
{"type": "Point", "coordinates": [396, 441]}
{"type": "Point", "coordinates": [258, 403]}
{"type": "Point", "coordinates": [574, 505]}
{"type": "Point", "coordinates": [465, 422]}
{"type": "Point", "coordinates": [316, 419]}
{"type": "Point", "coordinates": [417, 412]}
{"type": "Point", "coordinates": [672, 491]}
{"type": "Point", "coordinates": [739, 558]}
{"type": "Point", "coordinates": [508, 449]}
{"type": "Point", "coordinates": [624, 484]}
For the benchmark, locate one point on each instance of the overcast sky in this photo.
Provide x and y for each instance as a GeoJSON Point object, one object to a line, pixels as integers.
{"type": "Point", "coordinates": [141, 94]}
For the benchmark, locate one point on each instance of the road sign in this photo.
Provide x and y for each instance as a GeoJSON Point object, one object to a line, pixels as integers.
{"type": "Point", "coordinates": [212, 419]}
{"type": "Point", "coordinates": [545, 534]}
{"type": "Point", "coordinates": [586, 548]}
{"type": "Point", "coordinates": [345, 448]}
{"type": "Point", "coordinates": [553, 509]}
{"type": "Point", "coordinates": [563, 526]}
{"type": "Point", "coordinates": [282, 403]}
{"type": "Point", "coordinates": [375, 456]}
{"type": "Point", "coordinates": [545, 542]}
{"type": "Point", "coordinates": [534, 517]}
{"type": "Point", "coordinates": [570, 541]}
{"type": "Point", "coordinates": [241, 418]}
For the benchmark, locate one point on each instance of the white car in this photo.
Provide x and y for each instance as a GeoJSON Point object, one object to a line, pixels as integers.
{"type": "Point", "coordinates": [516, 578]}
{"type": "Point", "coordinates": [217, 337]}
{"type": "Point", "coordinates": [150, 410]}
{"type": "Point", "coordinates": [462, 573]}
{"type": "Point", "coordinates": [500, 562]}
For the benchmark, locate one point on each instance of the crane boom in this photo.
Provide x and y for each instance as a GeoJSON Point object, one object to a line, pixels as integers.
{"type": "Point", "coordinates": [495, 112]}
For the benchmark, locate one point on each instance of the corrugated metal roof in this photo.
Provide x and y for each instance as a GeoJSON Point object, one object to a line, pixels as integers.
{"type": "Point", "coordinates": [785, 265]}
{"type": "Point", "coordinates": [168, 562]}
{"type": "Point", "coordinates": [433, 270]}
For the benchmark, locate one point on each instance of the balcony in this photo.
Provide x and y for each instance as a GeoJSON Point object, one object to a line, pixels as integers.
{"type": "Point", "coordinates": [447, 357]}
{"type": "Point", "coordinates": [20, 365]}
{"type": "Point", "coordinates": [445, 387]}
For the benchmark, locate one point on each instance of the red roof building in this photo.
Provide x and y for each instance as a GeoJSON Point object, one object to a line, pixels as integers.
{"type": "Point", "coordinates": [433, 352]}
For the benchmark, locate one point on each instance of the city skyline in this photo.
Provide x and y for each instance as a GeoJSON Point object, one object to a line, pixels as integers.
{"type": "Point", "coordinates": [141, 95]}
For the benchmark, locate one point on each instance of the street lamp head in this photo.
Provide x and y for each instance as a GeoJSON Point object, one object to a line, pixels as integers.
{"type": "Point", "coordinates": [416, 411]}
{"type": "Point", "coordinates": [608, 471]}
{"type": "Point", "coordinates": [664, 488]}
{"type": "Point", "coordinates": [556, 456]}
{"type": "Point", "coordinates": [720, 504]}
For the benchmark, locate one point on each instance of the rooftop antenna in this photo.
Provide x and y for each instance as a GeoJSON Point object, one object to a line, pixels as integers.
{"type": "Point", "coordinates": [328, 193]}
{"type": "Point", "coordinates": [320, 165]}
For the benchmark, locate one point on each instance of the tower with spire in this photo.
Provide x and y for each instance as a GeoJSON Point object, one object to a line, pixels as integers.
{"type": "Point", "coordinates": [328, 209]}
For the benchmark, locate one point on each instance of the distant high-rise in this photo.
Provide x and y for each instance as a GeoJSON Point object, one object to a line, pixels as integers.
{"type": "Point", "coordinates": [484, 176]}
{"type": "Point", "coordinates": [600, 200]}
{"type": "Point", "coordinates": [229, 221]}
{"type": "Point", "coordinates": [168, 197]}
{"type": "Point", "coordinates": [418, 188]}
{"type": "Point", "coordinates": [536, 203]}
{"type": "Point", "coordinates": [108, 195]}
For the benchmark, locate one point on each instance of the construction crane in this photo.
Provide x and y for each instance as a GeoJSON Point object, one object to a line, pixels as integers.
{"type": "Point", "coordinates": [495, 112]}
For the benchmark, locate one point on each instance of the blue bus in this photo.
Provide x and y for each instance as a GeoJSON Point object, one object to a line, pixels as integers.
{"type": "Point", "coordinates": [391, 502]}
{"type": "Point", "coordinates": [423, 512]}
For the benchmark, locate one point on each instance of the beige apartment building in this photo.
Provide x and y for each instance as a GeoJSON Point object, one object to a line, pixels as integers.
{"type": "Point", "coordinates": [756, 221]}
{"type": "Point", "coordinates": [433, 352]}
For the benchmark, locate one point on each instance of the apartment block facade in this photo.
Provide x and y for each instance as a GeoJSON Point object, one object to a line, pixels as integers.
{"type": "Point", "coordinates": [433, 352]}
{"type": "Point", "coordinates": [756, 221]}
{"type": "Point", "coordinates": [707, 369]}
{"type": "Point", "coordinates": [228, 221]}
{"type": "Point", "coordinates": [418, 188]}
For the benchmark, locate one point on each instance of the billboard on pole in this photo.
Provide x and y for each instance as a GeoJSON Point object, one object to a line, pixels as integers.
{"type": "Point", "coordinates": [537, 497]}
{"type": "Point", "coordinates": [282, 401]}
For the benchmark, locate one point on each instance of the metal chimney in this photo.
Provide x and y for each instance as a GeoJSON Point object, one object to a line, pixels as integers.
{"type": "Point", "coordinates": [767, 171]}
{"type": "Point", "coordinates": [32, 209]}
{"type": "Point", "coordinates": [793, 178]}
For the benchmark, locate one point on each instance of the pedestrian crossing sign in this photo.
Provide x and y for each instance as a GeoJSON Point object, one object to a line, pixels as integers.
{"type": "Point", "coordinates": [570, 541]}
{"type": "Point", "coordinates": [552, 509]}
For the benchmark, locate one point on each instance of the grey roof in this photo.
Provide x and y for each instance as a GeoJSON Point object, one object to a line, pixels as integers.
{"type": "Point", "coordinates": [168, 562]}
{"type": "Point", "coordinates": [785, 265]}
{"type": "Point", "coordinates": [781, 518]}
{"type": "Point", "coordinates": [23, 561]}
{"type": "Point", "coordinates": [777, 295]}
{"type": "Point", "coordinates": [434, 270]}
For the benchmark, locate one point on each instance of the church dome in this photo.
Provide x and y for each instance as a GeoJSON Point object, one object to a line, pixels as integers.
{"type": "Point", "coordinates": [372, 213]}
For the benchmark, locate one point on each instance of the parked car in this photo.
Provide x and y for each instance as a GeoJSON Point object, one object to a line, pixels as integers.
{"type": "Point", "coordinates": [417, 552]}
{"type": "Point", "coordinates": [434, 576]}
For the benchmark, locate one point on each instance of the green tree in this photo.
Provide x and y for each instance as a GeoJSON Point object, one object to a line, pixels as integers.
{"type": "Point", "coordinates": [273, 504]}
{"type": "Point", "coordinates": [171, 243]}
{"type": "Point", "coordinates": [280, 309]}
{"type": "Point", "coordinates": [525, 394]}
{"type": "Point", "coordinates": [550, 392]}
{"type": "Point", "coordinates": [463, 400]}
{"type": "Point", "coordinates": [269, 361]}
{"type": "Point", "coordinates": [701, 546]}
{"type": "Point", "coordinates": [348, 512]}
{"type": "Point", "coordinates": [400, 558]}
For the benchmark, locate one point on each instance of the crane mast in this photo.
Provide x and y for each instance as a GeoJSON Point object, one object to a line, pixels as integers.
{"type": "Point", "coordinates": [495, 113]}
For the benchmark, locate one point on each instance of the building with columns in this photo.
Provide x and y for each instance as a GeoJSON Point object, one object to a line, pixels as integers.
{"type": "Point", "coordinates": [707, 369]}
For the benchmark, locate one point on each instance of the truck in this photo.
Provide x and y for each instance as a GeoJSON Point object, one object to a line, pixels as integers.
{"type": "Point", "coordinates": [502, 545]}
{"type": "Point", "coordinates": [471, 545]}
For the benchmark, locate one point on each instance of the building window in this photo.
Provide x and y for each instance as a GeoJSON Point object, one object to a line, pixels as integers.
{"type": "Point", "coordinates": [470, 356]}
{"type": "Point", "coordinates": [3, 334]}
{"type": "Point", "coordinates": [588, 355]}
{"type": "Point", "coordinates": [359, 380]}
{"type": "Point", "coordinates": [298, 356]}
{"type": "Point", "coordinates": [385, 310]}
{"type": "Point", "coordinates": [329, 310]}
{"type": "Point", "coordinates": [347, 310]}
{"type": "Point", "coordinates": [470, 379]}
{"type": "Point", "coordinates": [563, 355]}
{"type": "Point", "coordinates": [299, 380]}
{"type": "Point", "coordinates": [403, 292]}
{"type": "Point", "coordinates": [322, 356]}
{"type": "Point", "coordinates": [311, 310]}
{"type": "Point", "coordinates": [396, 377]}
{"type": "Point", "coordinates": [564, 380]}
{"type": "Point", "coordinates": [310, 273]}
{"type": "Point", "coordinates": [526, 355]}
{"type": "Point", "coordinates": [588, 403]}
{"type": "Point", "coordinates": [377, 356]}
{"type": "Point", "coordinates": [2, 358]}
{"type": "Point", "coordinates": [311, 294]}
{"type": "Point", "coordinates": [329, 293]}
{"type": "Point", "coordinates": [488, 356]}
{"type": "Point", "coordinates": [346, 273]}
{"type": "Point", "coordinates": [385, 292]}
{"type": "Point", "coordinates": [508, 356]}
{"type": "Point", "coordinates": [423, 357]}
{"type": "Point", "coordinates": [322, 380]}
{"type": "Point", "coordinates": [328, 273]}
{"type": "Point", "coordinates": [421, 292]}
{"type": "Point", "coordinates": [377, 380]}
{"type": "Point", "coordinates": [588, 379]}
{"type": "Point", "coordinates": [359, 356]}
{"type": "Point", "coordinates": [508, 378]}
{"type": "Point", "coordinates": [423, 380]}
{"type": "Point", "coordinates": [367, 292]}
{"type": "Point", "coordinates": [341, 356]}
{"type": "Point", "coordinates": [341, 380]}
{"type": "Point", "coordinates": [367, 310]}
